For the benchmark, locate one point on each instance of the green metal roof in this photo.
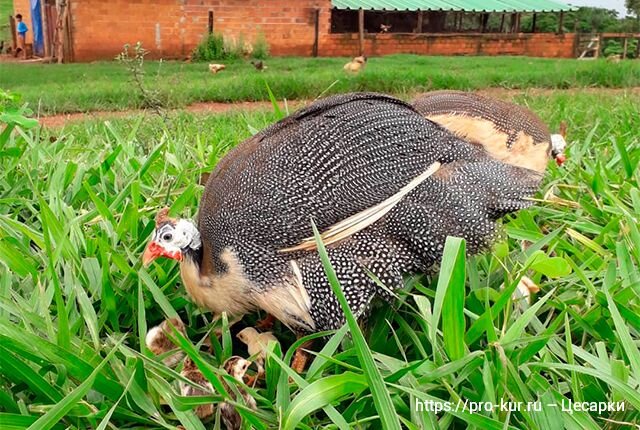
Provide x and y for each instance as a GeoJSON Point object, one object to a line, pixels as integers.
{"type": "Point", "coordinates": [456, 5]}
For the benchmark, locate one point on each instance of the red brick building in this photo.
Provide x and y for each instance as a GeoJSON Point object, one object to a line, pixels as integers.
{"type": "Point", "coordinates": [97, 29]}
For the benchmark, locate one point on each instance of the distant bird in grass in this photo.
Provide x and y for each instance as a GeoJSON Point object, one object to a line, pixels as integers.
{"type": "Point", "coordinates": [356, 65]}
{"type": "Point", "coordinates": [259, 65]}
{"type": "Point", "coordinates": [158, 341]}
{"type": "Point", "coordinates": [615, 58]}
{"type": "Point", "coordinates": [200, 386]}
{"type": "Point", "coordinates": [237, 368]}
{"type": "Point", "coordinates": [384, 186]}
{"type": "Point", "coordinates": [507, 131]}
{"type": "Point", "coordinates": [215, 68]}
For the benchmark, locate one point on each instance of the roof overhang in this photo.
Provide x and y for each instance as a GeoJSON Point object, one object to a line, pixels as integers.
{"type": "Point", "coordinates": [455, 5]}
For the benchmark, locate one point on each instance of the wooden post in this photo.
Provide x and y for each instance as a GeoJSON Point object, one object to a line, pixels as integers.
{"type": "Point", "coordinates": [485, 22]}
{"type": "Point", "coordinates": [420, 18]}
{"type": "Point", "coordinates": [512, 23]}
{"type": "Point", "coordinates": [624, 48]}
{"type": "Point", "coordinates": [14, 40]}
{"type": "Point", "coordinates": [460, 16]}
{"type": "Point", "coordinates": [518, 15]}
{"type": "Point", "coordinates": [61, 29]}
{"type": "Point", "coordinates": [45, 29]}
{"type": "Point", "coordinates": [560, 19]}
{"type": "Point", "coordinates": [69, 55]}
{"type": "Point", "coordinates": [210, 27]}
{"type": "Point", "coordinates": [502, 23]}
{"type": "Point", "coordinates": [361, 29]}
{"type": "Point", "coordinates": [316, 31]}
{"type": "Point", "coordinates": [533, 23]}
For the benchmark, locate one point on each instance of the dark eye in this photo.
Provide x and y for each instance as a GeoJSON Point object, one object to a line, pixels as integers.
{"type": "Point", "coordinates": [167, 237]}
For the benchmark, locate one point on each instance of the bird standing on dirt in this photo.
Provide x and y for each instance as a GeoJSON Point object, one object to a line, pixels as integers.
{"type": "Point", "coordinates": [384, 186]}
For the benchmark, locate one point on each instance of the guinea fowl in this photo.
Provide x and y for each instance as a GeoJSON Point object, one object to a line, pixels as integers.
{"type": "Point", "coordinates": [384, 186]}
{"type": "Point", "coordinates": [507, 131]}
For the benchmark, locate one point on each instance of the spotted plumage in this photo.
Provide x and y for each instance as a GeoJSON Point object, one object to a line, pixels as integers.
{"type": "Point", "coordinates": [328, 162]}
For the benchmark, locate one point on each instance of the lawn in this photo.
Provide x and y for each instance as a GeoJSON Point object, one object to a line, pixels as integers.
{"type": "Point", "coordinates": [6, 9]}
{"type": "Point", "coordinates": [107, 85]}
{"type": "Point", "coordinates": [77, 207]}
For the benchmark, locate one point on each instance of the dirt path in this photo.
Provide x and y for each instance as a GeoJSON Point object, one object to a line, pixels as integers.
{"type": "Point", "coordinates": [53, 121]}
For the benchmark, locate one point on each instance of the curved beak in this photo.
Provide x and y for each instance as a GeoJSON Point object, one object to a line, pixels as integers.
{"type": "Point", "coordinates": [151, 252]}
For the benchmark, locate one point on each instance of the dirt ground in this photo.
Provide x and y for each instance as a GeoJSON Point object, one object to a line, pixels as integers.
{"type": "Point", "coordinates": [56, 121]}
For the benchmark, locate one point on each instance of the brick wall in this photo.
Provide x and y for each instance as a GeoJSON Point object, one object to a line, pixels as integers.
{"type": "Point", "coordinates": [535, 45]}
{"type": "Point", "coordinates": [172, 28]}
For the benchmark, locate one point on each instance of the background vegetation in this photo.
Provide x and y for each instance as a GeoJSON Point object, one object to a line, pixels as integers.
{"type": "Point", "coordinates": [77, 206]}
{"type": "Point", "coordinates": [107, 86]}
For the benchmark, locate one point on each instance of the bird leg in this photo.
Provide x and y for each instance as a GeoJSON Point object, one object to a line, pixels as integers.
{"type": "Point", "coordinates": [266, 323]}
{"type": "Point", "coordinates": [301, 357]}
{"type": "Point", "coordinates": [251, 380]}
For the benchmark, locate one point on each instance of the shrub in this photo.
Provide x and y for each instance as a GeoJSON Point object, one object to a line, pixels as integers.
{"type": "Point", "coordinates": [260, 47]}
{"type": "Point", "coordinates": [614, 47]}
{"type": "Point", "coordinates": [216, 47]}
{"type": "Point", "coordinates": [211, 48]}
{"type": "Point", "coordinates": [233, 47]}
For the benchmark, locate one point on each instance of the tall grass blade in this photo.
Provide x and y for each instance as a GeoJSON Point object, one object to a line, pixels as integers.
{"type": "Point", "coordinates": [381, 397]}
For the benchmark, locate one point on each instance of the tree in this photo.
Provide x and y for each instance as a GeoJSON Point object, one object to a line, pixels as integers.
{"type": "Point", "coordinates": [633, 7]}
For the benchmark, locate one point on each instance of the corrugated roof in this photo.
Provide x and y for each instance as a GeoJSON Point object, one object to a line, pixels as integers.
{"type": "Point", "coordinates": [456, 5]}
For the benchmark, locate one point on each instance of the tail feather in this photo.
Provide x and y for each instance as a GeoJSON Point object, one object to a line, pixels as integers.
{"type": "Point", "coordinates": [463, 199]}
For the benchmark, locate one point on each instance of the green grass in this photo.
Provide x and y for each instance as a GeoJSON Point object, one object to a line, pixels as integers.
{"type": "Point", "coordinates": [77, 207]}
{"type": "Point", "coordinates": [6, 9]}
{"type": "Point", "coordinates": [106, 86]}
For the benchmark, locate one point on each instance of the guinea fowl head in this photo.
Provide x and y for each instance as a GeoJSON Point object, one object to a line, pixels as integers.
{"type": "Point", "coordinates": [172, 238]}
{"type": "Point", "coordinates": [558, 144]}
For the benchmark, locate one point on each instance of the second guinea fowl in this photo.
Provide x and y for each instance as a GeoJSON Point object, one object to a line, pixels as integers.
{"type": "Point", "coordinates": [507, 131]}
{"type": "Point", "coordinates": [384, 186]}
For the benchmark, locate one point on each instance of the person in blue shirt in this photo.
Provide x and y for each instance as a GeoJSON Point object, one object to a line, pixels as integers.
{"type": "Point", "coordinates": [21, 29]}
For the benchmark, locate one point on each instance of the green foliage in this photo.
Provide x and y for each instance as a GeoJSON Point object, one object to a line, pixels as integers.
{"type": "Point", "coordinates": [12, 114]}
{"type": "Point", "coordinates": [210, 48]}
{"type": "Point", "coordinates": [149, 98]}
{"type": "Point", "coordinates": [633, 7]}
{"type": "Point", "coordinates": [77, 207]}
{"type": "Point", "coordinates": [216, 47]}
{"type": "Point", "coordinates": [614, 47]}
{"type": "Point", "coordinates": [589, 20]}
{"type": "Point", "coordinates": [260, 47]}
